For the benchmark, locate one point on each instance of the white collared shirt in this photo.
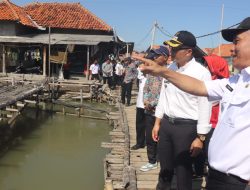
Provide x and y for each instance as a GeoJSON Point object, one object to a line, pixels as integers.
{"type": "Point", "coordinates": [229, 148]}
{"type": "Point", "coordinates": [94, 68]}
{"type": "Point", "coordinates": [177, 103]}
{"type": "Point", "coordinates": [119, 69]}
{"type": "Point", "coordinates": [142, 81]}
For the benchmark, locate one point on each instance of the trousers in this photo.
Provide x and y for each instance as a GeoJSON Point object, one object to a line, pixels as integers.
{"type": "Point", "coordinates": [220, 181]}
{"type": "Point", "coordinates": [175, 138]}
{"type": "Point", "coordinates": [126, 92]}
{"type": "Point", "coordinates": [140, 127]}
{"type": "Point", "coordinates": [151, 144]}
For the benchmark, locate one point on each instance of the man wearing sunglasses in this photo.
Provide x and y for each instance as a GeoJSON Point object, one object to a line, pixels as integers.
{"type": "Point", "coordinates": [182, 119]}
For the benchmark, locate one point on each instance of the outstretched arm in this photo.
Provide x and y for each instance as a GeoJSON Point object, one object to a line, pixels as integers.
{"type": "Point", "coordinates": [183, 82]}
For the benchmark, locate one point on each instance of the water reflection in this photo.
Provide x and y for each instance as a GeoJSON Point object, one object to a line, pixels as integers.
{"type": "Point", "coordinates": [55, 152]}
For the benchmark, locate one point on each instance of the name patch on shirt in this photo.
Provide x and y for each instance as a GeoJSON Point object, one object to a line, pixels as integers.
{"type": "Point", "coordinates": [229, 88]}
{"type": "Point", "coordinates": [166, 82]}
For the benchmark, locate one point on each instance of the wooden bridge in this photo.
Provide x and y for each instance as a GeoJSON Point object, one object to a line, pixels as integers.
{"type": "Point", "coordinates": [15, 95]}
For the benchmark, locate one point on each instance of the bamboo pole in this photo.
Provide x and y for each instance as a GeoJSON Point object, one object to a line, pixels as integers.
{"type": "Point", "coordinates": [84, 116]}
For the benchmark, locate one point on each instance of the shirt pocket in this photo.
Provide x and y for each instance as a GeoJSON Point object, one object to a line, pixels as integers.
{"type": "Point", "coordinates": [241, 98]}
{"type": "Point", "coordinates": [225, 101]}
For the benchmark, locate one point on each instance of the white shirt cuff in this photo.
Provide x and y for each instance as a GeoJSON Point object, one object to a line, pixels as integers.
{"type": "Point", "coordinates": [203, 128]}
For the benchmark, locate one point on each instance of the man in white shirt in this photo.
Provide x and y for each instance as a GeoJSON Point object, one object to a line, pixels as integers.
{"type": "Point", "coordinates": [94, 68]}
{"type": "Point", "coordinates": [119, 70]}
{"type": "Point", "coordinates": [181, 118]}
{"type": "Point", "coordinates": [140, 115]}
{"type": "Point", "coordinates": [228, 155]}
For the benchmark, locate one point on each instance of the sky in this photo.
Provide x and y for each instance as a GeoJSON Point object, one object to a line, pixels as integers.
{"type": "Point", "coordinates": [133, 20]}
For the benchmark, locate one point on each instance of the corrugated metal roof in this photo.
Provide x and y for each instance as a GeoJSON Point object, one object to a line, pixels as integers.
{"type": "Point", "coordinates": [59, 39]}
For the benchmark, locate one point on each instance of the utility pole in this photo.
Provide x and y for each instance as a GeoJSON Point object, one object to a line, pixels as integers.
{"type": "Point", "coordinates": [221, 26]}
{"type": "Point", "coordinates": [153, 34]}
{"type": "Point", "coordinates": [127, 45]}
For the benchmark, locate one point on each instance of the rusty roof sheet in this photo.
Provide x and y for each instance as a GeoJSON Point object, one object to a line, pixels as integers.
{"type": "Point", "coordinates": [224, 50]}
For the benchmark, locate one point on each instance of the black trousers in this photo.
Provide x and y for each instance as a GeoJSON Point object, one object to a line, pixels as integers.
{"type": "Point", "coordinates": [126, 92]}
{"type": "Point", "coordinates": [140, 127]}
{"type": "Point", "coordinates": [221, 181]}
{"type": "Point", "coordinates": [95, 76]}
{"type": "Point", "coordinates": [151, 144]}
{"type": "Point", "coordinates": [118, 80]}
{"type": "Point", "coordinates": [173, 150]}
{"type": "Point", "coordinates": [109, 80]}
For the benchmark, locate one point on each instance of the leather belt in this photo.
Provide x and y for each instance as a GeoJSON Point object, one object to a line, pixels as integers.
{"type": "Point", "coordinates": [229, 178]}
{"type": "Point", "coordinates": [178, 120]}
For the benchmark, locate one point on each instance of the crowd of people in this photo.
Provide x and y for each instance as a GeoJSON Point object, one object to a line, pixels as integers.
{"type": "Point", "coordinates": [115, 72]}
{"type": "Point", "coordinates": [188, 112]}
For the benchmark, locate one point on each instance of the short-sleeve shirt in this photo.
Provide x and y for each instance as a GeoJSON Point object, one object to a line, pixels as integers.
{"type": "Point", "coordinates": [229, 150]}
{"type": "Point", "coordinates": [94, 68]}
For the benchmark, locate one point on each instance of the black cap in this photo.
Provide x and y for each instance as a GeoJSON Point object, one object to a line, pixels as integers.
{"type": "Point", "coordinates": [182, 38]}
{"type": "Point", "coordinates": [229, 34]}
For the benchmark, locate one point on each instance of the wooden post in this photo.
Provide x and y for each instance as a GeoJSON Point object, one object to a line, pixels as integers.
{"type": "Point", "coordinates": [81, 96]}
{"type": "Point", "coordinates": [78, 112]}
{"type": "Point", "coordinates": [63, 110]}
{"type": "Point", "coordinates": [53, 88]}
{"type": "Point", "coordinates": [13, 81]}
{"type": "Point", "coordinates": [44, 61]}
{"type": "Point", "coordinates": [49, 49]}
{"type": "Point", "coordinates": [108, 185]}
{"type": "Point", "coordinates": [4, 60]}
{"type": "Point", "coordinates": [87, 63]}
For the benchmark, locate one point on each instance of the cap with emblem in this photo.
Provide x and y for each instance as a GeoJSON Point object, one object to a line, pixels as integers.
{"type": "Point", "coordinates": [182, 39]}
{"type": "Point", "coordinates": [229, 34]}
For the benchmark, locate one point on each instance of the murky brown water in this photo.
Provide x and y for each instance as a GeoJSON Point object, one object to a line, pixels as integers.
{"type": "Point", "coordinates": [55, 153]}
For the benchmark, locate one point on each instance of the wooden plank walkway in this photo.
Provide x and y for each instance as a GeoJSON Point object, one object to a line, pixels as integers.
{"type": "Point", "coordinates": [145, 180]}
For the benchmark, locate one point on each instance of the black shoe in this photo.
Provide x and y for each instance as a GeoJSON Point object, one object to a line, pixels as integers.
{"type": "Point", "coordinates": [136, 147]}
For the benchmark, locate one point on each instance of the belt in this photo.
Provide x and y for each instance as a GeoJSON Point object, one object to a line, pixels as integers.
{"type": "Point", "coordinates": [229, 178]}
{"type": "Point", "coordinates": [178, 120]}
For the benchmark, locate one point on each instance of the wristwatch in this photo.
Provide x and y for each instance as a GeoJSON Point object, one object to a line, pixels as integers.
{"type": "Point", "coordinates": [201, 137]}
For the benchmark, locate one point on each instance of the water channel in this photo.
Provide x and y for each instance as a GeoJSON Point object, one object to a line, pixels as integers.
{"type": "Point", "coordinates": [55, 152]}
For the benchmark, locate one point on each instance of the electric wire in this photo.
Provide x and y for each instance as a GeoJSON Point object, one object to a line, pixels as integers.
{"type": "Point", "coordinates": [213, 33]}
{"type": "Point", "coordinates": [146, 36]}
{"type": "Point", "coordinates": [163, 31]}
